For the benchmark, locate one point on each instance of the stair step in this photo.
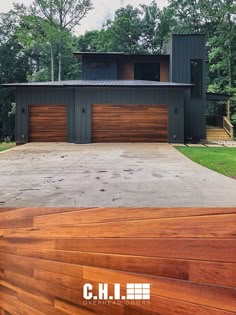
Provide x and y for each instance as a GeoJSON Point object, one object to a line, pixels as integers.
{"type": "Point", "coordinates": [217, 131]}
{"type": "Point", "coordinates": [225, 136]}
{"type": "Point", "coordinates": [218, 138]}
{"type": "Point", "coordinates": [217, 134]}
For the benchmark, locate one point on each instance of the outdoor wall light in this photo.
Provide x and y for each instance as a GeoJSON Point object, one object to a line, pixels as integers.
{"type": "Point", "coordinates": [176, 110]}
{"type": "Point", "coordinates": [23, 110]}
{"type": "Point", "coordinates": [83, 110]}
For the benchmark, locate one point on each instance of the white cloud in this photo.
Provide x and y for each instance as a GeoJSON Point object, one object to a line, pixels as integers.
{"type": "Point", "coordinates": [103, 9]}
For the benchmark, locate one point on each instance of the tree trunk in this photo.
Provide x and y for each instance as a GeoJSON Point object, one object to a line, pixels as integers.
{"type": "Point", "coordinates": [230, 50]}
{"type": "Point", "coordinates": [59, 66]}
{"type": "Point", "coordinates": [52, 62]}
{"type": "Point", "coordinates": [61, 8]}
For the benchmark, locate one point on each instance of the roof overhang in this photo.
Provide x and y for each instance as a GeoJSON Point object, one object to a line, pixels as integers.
{"type": "Point", "coordinates": [102, 83]}
{"type": "Point", "coordinates": [80, 55]}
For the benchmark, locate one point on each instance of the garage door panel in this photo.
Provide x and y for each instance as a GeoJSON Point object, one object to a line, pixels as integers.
{"type": "Point", "coordinates": [48, 123]}
{"type": "Point", "coordinates": [129, 123]}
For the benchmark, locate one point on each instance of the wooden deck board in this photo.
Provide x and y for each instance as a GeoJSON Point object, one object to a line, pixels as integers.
{"type": "Point", "coordinates": [188, 256]}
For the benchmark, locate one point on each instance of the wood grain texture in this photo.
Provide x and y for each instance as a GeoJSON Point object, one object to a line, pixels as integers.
{"type": "Point", "coordinates": [47, 123]}
{"type": "Point", "coordinates": [187, 255]}
{"type": "Point", "coordinates": [129, 123]}
{"type": "Point", "coordinates": [126, 66]}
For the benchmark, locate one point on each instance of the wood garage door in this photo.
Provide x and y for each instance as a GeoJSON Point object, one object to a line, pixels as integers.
{"type": "Point", "coordinates": [129, 123]}
{"type": "Point", "coordinates": [47, 123]}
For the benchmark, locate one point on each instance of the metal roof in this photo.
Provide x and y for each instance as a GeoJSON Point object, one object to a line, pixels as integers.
{"type": "Point", "coordinates": [117, 54]}
{"type": "Point", "coordinates": [100, 83]}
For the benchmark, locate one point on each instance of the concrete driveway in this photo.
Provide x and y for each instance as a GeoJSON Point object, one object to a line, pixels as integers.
{"type": "Point", "coordinates": [108, 175]}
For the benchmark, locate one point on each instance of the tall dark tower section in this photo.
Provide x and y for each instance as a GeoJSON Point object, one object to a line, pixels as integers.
{"type": "Point", "coordinates": [188, 65]}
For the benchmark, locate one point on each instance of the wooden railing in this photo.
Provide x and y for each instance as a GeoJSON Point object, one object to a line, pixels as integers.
{"type": "Point", "coordinates": [188, 256]}
{"type": "Point", "coordinates": [227, 125]}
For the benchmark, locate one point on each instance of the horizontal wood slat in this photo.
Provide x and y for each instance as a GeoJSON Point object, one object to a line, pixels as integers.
{"type": "Point", "coordinates": [47, 123]}
{"type": "Point", "coordinates": [187, 255]}
{"type": "Point", "coordinates": [129, 123]}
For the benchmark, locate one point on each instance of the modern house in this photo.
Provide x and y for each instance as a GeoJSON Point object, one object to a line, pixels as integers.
{"type": "Point", "coordinates": [121, 98]}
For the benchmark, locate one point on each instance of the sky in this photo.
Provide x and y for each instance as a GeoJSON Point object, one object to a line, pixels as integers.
{"type": "Point", "coordinates": [103, 9]}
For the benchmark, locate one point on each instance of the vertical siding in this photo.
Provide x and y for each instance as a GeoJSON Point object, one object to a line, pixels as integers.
{"type": "Point", "coordinates": [169, 51]}
{"type": "Point", "coordinates": [182, 49]}
{"type": "Point", "coordinates": [106, 71]}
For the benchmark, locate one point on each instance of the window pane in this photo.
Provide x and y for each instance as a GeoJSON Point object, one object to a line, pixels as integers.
{"type": "Point", "coordinates": [147, 71]}
{"type": "Point", "coordinates": [196, 77]}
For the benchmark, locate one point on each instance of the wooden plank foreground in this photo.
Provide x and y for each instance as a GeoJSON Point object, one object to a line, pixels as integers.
{"type": "Point", "coordinates": [187, 255]}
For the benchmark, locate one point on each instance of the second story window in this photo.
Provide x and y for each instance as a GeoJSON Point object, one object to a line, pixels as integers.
{"type": "Point", "coordinates": [196, 77]}
{"type": "Point", "coordinates": [147, 71]}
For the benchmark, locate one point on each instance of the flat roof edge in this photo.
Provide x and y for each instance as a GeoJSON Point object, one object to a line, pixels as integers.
{"type": "Point", "coordinates": [84, 53]}
{"type": "Point", "coordinates": [96, 84]}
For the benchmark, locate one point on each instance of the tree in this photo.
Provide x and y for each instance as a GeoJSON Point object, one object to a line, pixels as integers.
{"type": "Point", "coordinates": [187, 15]}
{"type": "Point", "coordinates": [156, 27]}
{"type": "Point", "coordinates": [217, 19]}
{"type": "Point", "coordinates": [91, 41]}
{"type": "Point", "coordinates": [222, 47]}
{"type": "Point", "coordinates": [14, 67]}
{"type": "Point", "coordinates": [62, 16]}
{"type": "Point", "coordinates": [133, 30]}
{"type": "Point", "coordinates": [125, 31]}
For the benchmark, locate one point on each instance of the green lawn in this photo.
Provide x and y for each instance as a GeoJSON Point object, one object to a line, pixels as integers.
{"type": "Point", "coordinates": [221, 160]}
{"type": "Point", "coordinates": [5, 146]}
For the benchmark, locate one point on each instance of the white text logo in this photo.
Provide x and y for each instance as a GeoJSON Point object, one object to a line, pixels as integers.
{"type": "Point", "coordinates": [134, 291]}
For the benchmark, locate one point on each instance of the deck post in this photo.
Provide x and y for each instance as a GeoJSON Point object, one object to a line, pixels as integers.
{"type": "Point", "coordinates": [228, 108]}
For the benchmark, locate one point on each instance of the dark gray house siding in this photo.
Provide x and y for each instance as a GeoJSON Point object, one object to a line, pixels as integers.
{"type": "Point", "coordinates": [99, 68]}
{"type": "Point", "coordinates": [183, 48]}
{"type": "Point", "coordinates": [80, 99]}
{"type": "Point", "coordinates": [187, 119]}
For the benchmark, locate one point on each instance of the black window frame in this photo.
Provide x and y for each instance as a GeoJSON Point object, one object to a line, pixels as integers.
{"type": "Point", "coordinates": [196, 78]}
{"type": "Point", "coordinates": [138, 75]}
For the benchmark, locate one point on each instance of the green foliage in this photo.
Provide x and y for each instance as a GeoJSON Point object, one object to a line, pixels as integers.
{"type": "Point", "coordinates": [156, 27]}
{"type": "Point", "coordinates": [6, 146]}
{"type": "Point", "coordinates": [125, 31]}
{"type": "Point", "coordinates": [14, 67]}
{"type": "Point", "coordinates": [60, 18]}
{"type": "Point", "coordinates": [133, 30]}
{"type": "Point", "coordinates": [217, 19]}
{"type": "Point", "coordinates": [91, 41]}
